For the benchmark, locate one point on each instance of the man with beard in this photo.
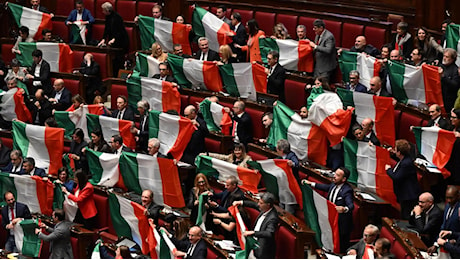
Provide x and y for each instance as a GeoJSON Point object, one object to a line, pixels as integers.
{"type": "Point", "coordinates": [450, 79]}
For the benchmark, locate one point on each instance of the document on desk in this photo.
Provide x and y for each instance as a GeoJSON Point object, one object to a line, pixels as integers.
{"type": "Point", "coordinates": [226, 245]}
{"type": "Point", "coordinates": [367, 196]}
{"type": "Point", "coordinates": [331, 256]}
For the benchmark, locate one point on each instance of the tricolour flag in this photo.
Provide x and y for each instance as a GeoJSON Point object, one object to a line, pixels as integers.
{"type": "Point", "coordinates": [142, 171]}
{"type": "Point", "coordinates": [76, 119]}
{"type": "Point", "coordinates": [35, 20]}
{"type": "Point", "coordinates": [196, 73]}
{"type": "Point", "coordinates": [322, 217]}
{"type": "Point", "coordinates": [207, 25]}
{"type": "Point", "coordinates": [307, 140]}
{"type": "Point", "coordinates": [27, 242]}
{"type": "Point", "coordinates": [202, 211]}
{"type": "Point", "coordinates": [366, 65]}
{"type": "Point", "coordinates": [58, 55]}
{"type": "Point", "coordinates": [110, 127]}
{"type": "Point", "coordinates": [129, 220]}
{"type": "Point", "coordinates": [160, 246]}
{"type": "Point", "coordinates": [104, 169]}
{"type": "Point", "coordinates": [327, 113]}
{"type": "Point", "coordinates": [367, 167]}
{"type": "Point", "coordinates": [240, 226]}
{"type": "Point", "coordinates": [44, 144]}
{"type": "Point", "coordinates": [96, 254]}
{"type": "Point", "coordinates": [379, 109]}
{"type": "Point", "coordinates": [12, 106]}
{"type": "Point", "coordinates": [294, 55]}
{"type": "Point", "coordinates": [166, 33]}
{"type": "Point", "coordinates": [147, 65]}
{"type": "Point", "coordinates": [78, 31]}
{"type": "Point", "coordinates": [215, 116]}
{"type": "Point", "coordinates": [37, 193]}
{"type": "Point", "coordinates": [174, 132]}
{"type": "Point", "coordinates": [279, 180]}
{"type": "Point", "coordinates": [435, 144]}
{"type": "Point", "coordinates": [415, 84]}
{"type": "Point", "coordinates": [453, 39]}
{"type": "Point", "coordinates": [244, 79]}
{"type": "Point", "coordinates": [248, 179]}
{"type": "Point", "coordinates": [161, 95]}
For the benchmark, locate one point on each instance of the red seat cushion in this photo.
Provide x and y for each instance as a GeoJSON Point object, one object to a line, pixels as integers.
{"type": "Point", "coordinates": [252, 214]}
{"type": "Point", "coordinates": [132, 41]}
{"type": "Point", "coordinates": [290, 22]}
{"type": "Point", "coordinates": [258, 130]}
{"type": "Point", "coordinates": [285, 243]}
{"type": "Point", "coordinates": [8, 142]}
{"type": "Point", "coordinates": [336, 29]}
{"type": "Point", "coordinates": [60, 29]}
{"type": "Point", "coordinates": [99, 14]}
{"type": "Point", "coordinates": [375, 36]}
{"type": "Point", "coordinates": [211, 254]}
{"type": "Point", "coordinates": [266, 21]}
{"type": "Point", "coordinates": [7, 55]}
{"type": "Point", "coordinates": [145, 8]}
{"type": "Point", "coordinates": [77, 58]}
{"type": "Point", "coordinates": [308, 22]}
{"type": "Point", "coordinates": [357, 233]}
{"type": "Point", "coordinates": [101, 59]}
{"type": "Point", "coordinates": [351, 31]}
{"type": "Point", "coordinates": [75, 251]}
{"type": "Point", "coordinates": [212, 146]}
{"type": "Point", "coordinates": [398, 250]}
{"type": "Point", "coordinates": [89, 4]}
{"type": "Point", "coordinates": [408, 120]}
{"type": "Point", "coordinates": [127, 10]}
{"type": "Point", "coordinates": [117, 90]}
{"type": "Point", "coordinates": [295, 94]}
{"type": "Point", "coordinates": [64, 8]}
{"type": "Point", "coordinates": [195, 101]}
{"type": "Point", "coordinates": [102, 205]}
{"type": "Point", "coordinates": [257, 157]}
{"type": "Point", "coordinates": [98, 31]}
{"type": "Point", "coordinates": [246, 15]}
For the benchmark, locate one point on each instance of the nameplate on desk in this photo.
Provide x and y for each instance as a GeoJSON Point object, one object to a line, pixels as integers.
{"type": "Point", "coordinates": [367, 196]}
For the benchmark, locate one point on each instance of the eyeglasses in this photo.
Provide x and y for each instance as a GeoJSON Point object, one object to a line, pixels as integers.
{"type": "Point", "coordinates": [372, 84]}
{"type": "Point", "coordinates": [201, 182]}
{"type": "Point", "coordinates": [162, 69]}
{"type": "Point", "coordinates": [431, 112]}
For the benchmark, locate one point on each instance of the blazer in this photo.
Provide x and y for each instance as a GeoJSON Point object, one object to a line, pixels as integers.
{"type": "Point", "coordinates": [227, 198]}
{"type": "Point", "coordinates": [373, 138]}
{"type": "Point", "coordinates": [325, 53]}
{"type": "Point", "coordinates": [153, 211]}
{"type": "Point", "coordinates": [65, 101]}
{"type": "Point", "coordinates": [359, 247]}
{"type": "Point", "coordinates": [115, 29]}
{"type": "Point", "coordinates": [200, 251]}
{"type": "Point", "coordinates": [127, 115]}
{"type": "Point", "coordinates": [244, 128]}
{"type": "Point", "coordinates": [22, 211]}
{"type": "Point", "coordinates": [212, 55]}
{"type": "Point", "coordinates": [85, 16]}
{"type": "Point", "coordinates": [59, 238]}
{"type": "Point", "coordinates": [241, 38]}
{"type": "Point", "coordinates": [275, 82]}
{"type": "Point", "coordinates": [45, 111]}
{"type": "Point", "coordinates": [442, 123]}
{"type": "Point", "coordinates": [359, 88]}
{"type": "Point", "coordinates": [38, 172]}
{"type": "Point", "coordinates": [4, 155]}
{"type": "Point", "coordinates": [453, 249]}
{"type": "Point", "coordinates": [143, 141]}
{"type": "Point", "coordinates": [85, 201]}
{"type": "Point", "coordinates": [227, 21]}
{"type": "Point", "coordinates": [405, 184]}
{"type": "Point", "coordinates": [430, 228]}
{"type": "Point", "coordinates": [295, 169]}
{"type": "Point", "coordinates": [9, 168]}
{"type": "Point", "coordinates": [94, 82]}
{"type": "Point", "coordinates": [45, 76]}
{"type": "Point", "coordinates": [453, 223]}
{"type": "Point", "coordinates": [253, 48]}
{"type": "Point", "coordinates": [169, 78]}
{"type": "Point", "coordinates": [266, 235]}
{"type": "Point", "coordinates": [383, 92]}
{"type": "Point", "coordinates": [196, 145]}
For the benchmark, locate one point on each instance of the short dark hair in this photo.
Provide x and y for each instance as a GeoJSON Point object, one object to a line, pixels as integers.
{"type": "Point", "coordinates": [79, 2]}
{"type": "Point", "coordinates": [346, 172]}
{"type": "Point", "coordinates": [123, 97]}
{"type": "Point", "coordinates": [6, 192]}
{"type": "Point", "coordinates": [237, 16]}
{"type": "Point", "coordinates": [275, 54]}
{"type": "Point", "coordinates": [79, 133]}
{"type": "Point", "coordinates": [165, 63]}
{"type": "Point", "coordinates": [117, 138]}
{"type": "Point", "coordinates": [24, 29]}
{"type": "Point", "coordinates": [59, 214]}
{"type": "Point", "coordinates": [223, 7]}
{"type": "Point", "coordinates": [319, 23]}
{"type": "Point", "coordinates": [269, 114]}
{"type": "Point", "coordinates": [30, 160]}
{"type": "Point", "coordinates": [45, 31]}
{"type": "Point", "coordinates": [37, 53]}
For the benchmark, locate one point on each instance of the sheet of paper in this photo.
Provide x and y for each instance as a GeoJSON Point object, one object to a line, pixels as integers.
{"type": "Point", "coordinates": [367, 196]}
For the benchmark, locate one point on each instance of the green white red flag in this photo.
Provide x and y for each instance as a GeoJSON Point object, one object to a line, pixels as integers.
{"type": "Point", "coordinates": [215, 116]}
{"type": "Point", "coordinates": [294, 55]}
{"type": "Point", "coordinates": [35, 20]}
{"type": "Point", "coordinates": [244, 79]}
{"type": "Point", "coordinates": [110, 127]}
{"type": "Point", "coordinates": [58, 55]}
{"type": "Point", "coordinates": [12, 106]}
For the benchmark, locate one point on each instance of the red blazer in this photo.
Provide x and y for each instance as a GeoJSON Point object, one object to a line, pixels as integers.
{"type": "Point", "coordinates": [85, 201]}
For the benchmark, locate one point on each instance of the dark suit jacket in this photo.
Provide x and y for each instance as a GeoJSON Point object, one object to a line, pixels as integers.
{"type": "Point", "coordinates": [373, 138]}
{"type": "Point", "coordinates": [115, 28]}
{"type": "Point", "coordinates": [226, 199]}
{"type": "Point", "coordinates": [200, 251]}
{"type": "Point", "coordinates": [453, 223]}
{"type": "Point", "coordinates": [9, 168]}
{"type": "Point", "coordinates": [169, 78]}
{"type": "Point", "coordinates": [275, 83]}
{"type": "Point", "coordinates": [383, 92]}
{"type": "Point", "coordinates": [153, 212]}
{"type": "Point", "coordinates": [241, 38]}
{"type": "Point", "coordinates": [405, 184]}
{"type": "Point", "coordinates": [325, 53]}
{"type": "Point", "coordinates": [93, 83]}
{"type": "Point", "coordinates": [266, 235]}
{"type": "Point", "coordinates": [453, 249]}
{"type": "Point", "coordinates": [127, 115]}
{"type": "Point", "coordinates": [431, 228]}
{"type": "Point", "coordinates": [59, 237]}
{"type": "Point", "coordinates": [244, 128]}
{"type": "Point", "coordinates": [212, 55]}
{"type": "Point", "coordinates": [4, 156]}
{"type": "Point", "coordinates": [43, 9]}
{"type": "Point", "coordinates": [76, 149]}
{"type": "Point", "coordinates": [359, 88]}
{"type": "Point", "coordinates": [369, 49]}
{"type": "Point", "coordinates": [196, 144]}
{"type": "Point", "coordinates": [86, 16]}
{"type": "Point", "coordinates": [295, 169]}
{"type": "Point", "coordinates": [38, 172]}
{"type": "Point", "coordinates": [442, 123]}
{"type": "Point", "coordinates": [22, 211]}
{"type": "Point", "coordinates": [143, 141]}
{"type": "Point", "coordinates": [359, 247]}
{"type": "Point", "coordinates": [65, 101]}
{"type": "Point", "coordinates": [45, 76]}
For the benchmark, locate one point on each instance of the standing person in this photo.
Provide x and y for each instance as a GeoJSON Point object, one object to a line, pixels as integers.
{"type": "Point", "coordinates": [453, 165]}
{"type": "Point", "coordinates": [201, 185]}
{"type": "Point", "coordinates": [404, 176]}
{"type": "Point", "coordinates": [11, 215]}
{"type": "Point", "coordinates": [59, 236]}
{"type": "Point", "coordinates": [24, 36]}
{"type": "Point", "coordinates": [403, 40]}
{"type": "Point", "coordinates": [242, 123]}
{"type": "Point", "coordinates": [450, 78]}
{"type": "Point", "coordinates": [63, 179]}
{"type": "Point", "coordinates": [196, 143]}
{"type": "Point", "coordinates": [240, 37]}
{"type": "Point", "coordinates": [283, 149]}
{"type": "Point", "coordinates": [221, 13]}
{"type": "Point", "coordinates": [276, 75]}
{"type": "Point", "coordinates": [252, 48]}
{"type": "Point", "coordinates": [152, 210]}
{"type": "Point", "coordinates": [142, 134]}
{"type": "Point", "coordinates": [301, 32]}
{"type": "Point", "coordinates": [89, 67]}
{"type": "Point", "coordinates": [83, 15]}
{"type": "Point", "coordinates": [324, 48]}
{"type": "Point", "coordinates": [76, 148]}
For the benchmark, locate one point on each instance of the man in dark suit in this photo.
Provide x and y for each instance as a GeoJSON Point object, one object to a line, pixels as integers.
{"type": "Point", "coordinates": [242, 124]}
{"type": "Point", "coordinates": [376, 87]}
{"type": "Point", "coordinates": [41, 109]}
{"type": "Point", "coordinates": [450, 78]}
{"type": "Point", "coordinates": [276, 75]}
{"type": "Point", "coordinates": [152, 210]}
{"type": "Point", "coordinates": [15, 165]}
{"type": "Point", "coordinates": [154, 148]}
{"type": "Point", "coordinates": [324, 48]}
{"type": "Point", "coordinates": [362, 46]}
{"type": "Point", "coordinates": [240, 37]}
{"type": "Point", "coordinates": [196, 247]}
{"type": "Point", "coordinates": [341, 194]}
{"type": "Point", "coordinates": [59, 236]}
{"type": "Point", "coordinates": [116, 142]}
{"type": "Point", "coordinates": [12, 214]}
{"type": "Point", "coordinates": [86, 19]}
{"type": "Point", "coordinates": [29, 168]}
{"type": "Point", "coordinates": [179, 51]}
{"type": "Point", "coordinates": [123, 111]}
{"type": "Point", "coordinates": [265, 225]}
{"type": "Point", "coordinates": [61, 98]}
{"type": "Point", "coordinates": [451, 221]}
{"type": "Point", "coordinates": [164, 74]}
{"type": "Point", "coordinates": [354, 84]}
{"type": "Point", "coordinates": [365, 247]}
{"type": "Point", "coordinates": [221, 13]}
{"type": "Point", "coordinates": [196, 144]}
{"type": "Point", "coordinates": [368, 132]}
{"type": "Point", "coordinates": [283, 149]}
{"type": "Point", "coordinates": [231, 193]}
{"type": "Point", "coordinates": [40, 73]}
{"type": "Point", "coordinates": [436, 117]}
{"type": "Point", "coordinates": [142, 134]}
{"type": "Point", "coordinates": [426, 217]}
{"type": "Point", "coordinates": [35, 4]}
{"type": "Point", "coordinates": [205, 53]}
{"type": "Point", "coordinates": [94, 87]}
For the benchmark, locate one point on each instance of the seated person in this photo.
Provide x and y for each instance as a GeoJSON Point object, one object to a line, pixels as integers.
{"type": "Point", "coordinates": [29, 168]}
{"type": "Point", "coordinates": [231, 193]}
{"type": "Point", "coordinates": [225, 224]}
{"type": "Point", "coordinates": [164, 74]}
{"type": "Point", "coordinates": [364, 248]}
{"type": "Point", "coordinates": [61, 98]}
{"type": "Point", "coordinates": [354, 84]}
{"type": "Point", "coordinates": [63, 179]}
{"type": "Point", "coordinates": [97, 142]}
{"type": "Point", "coordinates": [280, 32]}
{"type": "Point", "coordinates": [83, 15]}
{"type": "Point", "coordinates": [368, 132]}
{"type": "Point", "coordinates": [16, 71]}
{"type": "Point", "coordinates": [238, 157]}
{"type": "Point", "coordinates": [15, 165]}
{"type": "Point", "coordinates": [23, 37]}
{"type": "Point", "coordinates": [77, 102]}
{"type": "Point", "coordinates": [116, 143]}
{"type": "Point", "coordinates": [123, 111]}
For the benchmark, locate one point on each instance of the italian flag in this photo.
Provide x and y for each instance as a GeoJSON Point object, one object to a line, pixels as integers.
{"type": "Point", "coordinates": [244, 79]}
{"type": "Point", "coordinates": [248, 179]}
{"type": "Point", "coordinates": [412, 84]}
{"type": "Point", "coordinates": [174, 132]}
{"type": "Point", "coordinates": [44, 144]}
{"type": "Point", "coordinates": [32, 190]}
{"type": "Point", "coordinates": [161, 95]}
{"type": "Point", "coordinates": [240, 226]}
{"type": "Point", "coordinates": [307, 140]}
{"type": "Point", "coordinates": [197, 74]}
{"type": "Point", "coordinates": [367, 166]}
{"type": "Point", "coordinates": [279, 180]}
{"type": "Point", "coordinates": [160, 246]}
{"type": "Point", "coordinates": [96, 254]}
{"type": "Point", "coordinates": [294, 55]}
{"type": "Point", "coordinates": [215, 116]}
{"type": "Point", "coordinates": [147, 65]}
{"type": "Point", "coordinates": [367, 66]}
{"type": "Point", "coordinates": [379, 109]}
{"type": "Point", "coordinates": [453, 39]}
{"type": "Point", "coordinates": [112, 126]}
{"type": "Point", "coordinates": [58, 55]}
{"type": "Point", "coordinates": [202, 212]}
{"type": "Point", "coordinates": [435, 144]}
{"type": "Point", "coordinates": [78, 31]}
{"type": "Point", "coordinates": [104, 169]}
{"type": "Point", "coordinates": [142, 171]}
{"type": "Point", "coordinates": [129, 220]}
{"type": "Point", "coordinates": [27, 242]}
{"type": "Point", "coordinates": [69, 120]}
{"type": "Point", "coordinates": [36, 21]}
{"type": "Point", "coordinates": [12, 106]}
{"type": "Point", "coordinates": [322, 217]}
{"type": "Point", "coordinates": [166, 33]}
{"type": "Point", "coordinates": [207, 25]}
{"type": "Point", "coordinates": [327, 113]}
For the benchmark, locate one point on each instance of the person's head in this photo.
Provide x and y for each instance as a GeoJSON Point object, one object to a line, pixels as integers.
{"type": "Point", "coordinates": [455, 117]}
{"type": "Point", "coordinates": [272, 58]}
{"type": "Point", "coordinates": [358, 132]}
{"type": "Point", "coordinates": [360, 42]}
{"type": "Point", "coordinates": [116, 141]}
{"type": "Point", "coordinates": [402, 148]}
{"type": "Point", "coordinates": [12, 82]}
{"type": "Point", "coordinates": [63, 174]}
{"type": "Point", "coordinates": [225, 52]}
{"type": "Point", "coordinates": [78, 135]}
{"type": "Point", "coordinates": [203, 44]}
{"type": "Point", "coordinates": [385, 52]}
{"type": "Point", "coordinates": [147, 197]}
{"type": "Point", "coordinates": [122, 102]}
{"type": "Point", "coordinates": [169, 220]}
{"type": "Point", "coordinates": [235, 18]}
{"type": "Point", "coordinates": [47, 35]}
{"type": "Point", "coordinates": [252, 26]}
{"type": "Point", "coordinates": [157, 51]}
{"type": "Point", "coordinates": [80, 178]}
{"type": "Point", "coordinates": [238, 107]}
{"type": "Point", "coordinates": [370, 234]}
{"type": "Point", "coordinates": [280, 31]}
{"type": "Point", "coordinates": [422, 34]}
{"type": "Point", "coordinates": [194, 234]}
{"type": "Point", "coordinates": [15, 64]}
{"type": "Point", "coordinates": [368, 125]}
{"type": "Point", "coordinates": [266, 201]}
{"type": "Point", "coordinates": [180, 227]}
{"type": "Point", "coordinates": [201, 182]}
{"type": "Point", "coordinates": [98, 100]}
{"type": "Point", "coordinates": [190, 112]}
{"type": "Point", "coordinates": [9, 199]}
{"type": "Point", "coordinates": [444, 25]}
{"type": "Point", "coordinates": [303, 112]}
{"type": "Point", "coordinates": [77, 100]}
{"type": "Point", "coordinates": [58, 215]}
{"type": "Point", "coordinates": [239, 151]}
{"type": "Point", "coordinates": [321, 82]}
{"type": "Point", "coordinates": [180, 19]}
{"type": "Point", "coordinates": [107, 8]}
{"type": "Point", "coordinates": [37, 56]}
{"type": "Point", "coordinates": [401, 28]}
{"type": "Point", "coordinates": [39, 94]}
{"type": "Point", "coordinates": [267, 119]}
{"type": "Point", "coordinates": [153, 146]}
{"type": "Point", "coordinates": [451, 195]}
{"type": "Point", "coordinates": [394, 55]}
{"type": "Point", "coordinates": [34, 3]}
{"type": "Point", "coordinates": [416, 55]}
{"type": "Point", "coordinates": [51, 122]}
{"type": "Point", "coordinates": [425, 201]}
{"type": "Point", "coordinates": [341, 175]}
{"type": "Point", "coordinates": [157, 11]}
{"type": "Point", "coordinates": [16, 157]}
{"type": "Point", "coordinates": [354, 77]}
{"type": "Point", "coordinates": [178, 49]}
{"type": "Point", "coordinates": [96, 136]}
{"type": "Point", "coordinates": [375, 84]}
{"type": "Point", "coordinates": [231, 183]}
{"type": "Point", "coordinates": [29, 164]}
{"type": "Point", "coordinates": [435, 111]}
{"type": "Point", "coordinates": [143, 107]}
{"type": "Point", "coordinates": [449, 56]}
{"type": "Point", "coordinates": [24, 32]}
{"type": "Point", "coordinates": [382, 247]}
{"type": "Point", "coordinates": [318, 26]}
{"type": "Point", "coordinates": [301, 31]}
{"type": "Point", "coordinates": [283, 147]}
{"type": "Point", "coordinates": [79, 6]}
{"type": "Point", "coordinates": [122, 252]}
{"type": "Point", "coordinates": [164, 69]}
{"type": "Point", "coordinates": [221, 11]}
{"type": "Point", "coordinates": [58, 85]}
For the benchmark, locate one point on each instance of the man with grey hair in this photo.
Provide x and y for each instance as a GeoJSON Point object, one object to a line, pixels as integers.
{"type": "Point", "coordinates": [301, 31]}
{"type": "Point", "coordinates": [231, 193]}
{"type": "Point", "coordinates": [196, 144]}
{"type": "Point", "coordinates": [205, 53]}
{"type": "Point", "coordinates": [365, 246]}
{"type": "Point", "coordinates": [154, 148]}
{"type": "Point", "coordinates": [450, 78]}
{"type": "Point", "coordinates": [354, 84]}
{"type": "Point", "coordinates": [242, 123]}
{"type": "Point", "coordinates": [276, 75]}
{"type": "Point", "coordinates": [142, 134]}
{"type": "Point", "coordinates": [283, 149]}
{"type": "Point", "coordinates": [15, 165]}
{"type": "Point", "coordinates": [324, 48]}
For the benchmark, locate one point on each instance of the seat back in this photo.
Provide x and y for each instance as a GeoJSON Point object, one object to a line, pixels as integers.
{"type": "Point", "coordinates": [246, 15]}
{"type": "Point", "coordinates": [351, 32]}
{"type": "Point", "coordinates": [102, 205]}
{"type": "Point", "coordinates": [102, 60]}
{"type": "Point", "coordinates": [117, 90]}
{"type": "Point", "coordinates": [145, 8]}
{"type": "Point", "coordinates": [75, 251]}
{"type": "Point", "coordinates": [375, 36]}
{"type": "Point", "coordinates": [211, 254]}
{"type": "Point", "coordinates": [133, 40]}
{"type": "Point", "coordinates": [257, 157]}
{"type": "Point", "coordinates": [183, 102]}
{"type": "Point", "coordinates": [64, 8]}
{"type": "Point", "coordinates": [290, 22]}
{"type": "Point", "coordinates": [252, 214]}
{"type": "Point", "coordinates": [89, 4]}
{"type": "Point", "coordinates": [295, 94]}
{"type": "Point", "coordinates": [213, 146]}
{"type": "Point", "coordinates": [397, 120]}
{"type": "Point", "coordinates": [127, 10]}
{"type": "Point", "coordinates": [266, 21]}
{"type": "Point", "coordinates": [8, 142]}
{"type": "Point", "coordinates": [61, 30]}
{"type": "Point", "coordinates": [308, 22]}
{"type": "Point", "coordinates": [7, 55]}
{"type": "Point", "coordinates": [98, 31]}
{"type": "Point", "coordinates": [408, 120]}
{"type": "Point", "coordinates": [77, 59]}
{"type": "Point", "coordinates": [258, 130]}
{"type": "Point", "coordinates": [336, 29]}
{"type": "Point", "coordinates": [195, 101]}
{"type": "Point", "coordinates": [285, 244]}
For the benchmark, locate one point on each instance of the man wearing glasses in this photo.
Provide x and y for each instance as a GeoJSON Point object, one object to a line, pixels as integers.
{"type": "Point", "coordinates": [364, 249]}
{"type": "Point", "coordinates": [427, 218]}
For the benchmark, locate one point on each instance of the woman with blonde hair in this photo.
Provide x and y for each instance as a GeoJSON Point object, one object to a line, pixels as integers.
{"type": "Point", "coordinates": [201, 185]}
{"type": "Point", "coordinates": [238, 157]}
{"type": "Point", "coordinates": [226, 55]}
{"type": "Point", "coordinates": [280, 32]}
{"type": "Point", "coordinates": [157, 52]}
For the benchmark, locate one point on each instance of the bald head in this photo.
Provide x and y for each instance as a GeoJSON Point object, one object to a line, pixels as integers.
{"type": "Point", "coordinates": [435, 111]}
{"type": "Point", "coordinates": [367, 125]}
{"type": "Point", "coordinates": [360, 42]}
{"type": "Point", "coordinates": [58, 85]}
{"type": "Point", "coordinates": [190, 112]}
{"type": "Point", "coordinates": [425, 201]}
{"type": "Point", "coordinates": [375, 84]}
{"type": "Point", "coordinates": [195, 234]}
{"type": "Point", "coordinates": [394, 55]}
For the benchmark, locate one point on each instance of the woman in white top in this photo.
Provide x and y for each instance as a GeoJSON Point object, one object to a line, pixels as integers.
{"type": "Point", "coordinates": [16, 71]}
{"type": "Point", "coordinates": [23, 37]}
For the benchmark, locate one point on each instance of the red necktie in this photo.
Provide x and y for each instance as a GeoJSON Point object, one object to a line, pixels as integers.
{"type": "Point", "coordinates": [366, 252]}
{"type": "Point", "coordinates": [234, 128]}
{"type": "Point", "coordinates": [12, 213]}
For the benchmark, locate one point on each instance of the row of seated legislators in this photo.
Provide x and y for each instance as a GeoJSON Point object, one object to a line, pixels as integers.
{"type": "Point", "coordinates": [47, 96]}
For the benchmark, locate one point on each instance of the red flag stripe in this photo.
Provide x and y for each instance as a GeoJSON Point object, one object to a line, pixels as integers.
{"type": "Point", "coordinates": [45, 24]}
{"type": "Point", "coordinates": [180, 35]}
{"type": "Point", "coordinates": [317, 145]}
{"type": "Point", "coordinates": [211, 76]}
{"type": "Point", "coordinates": [143, 223]}
{"type": "Point", "coordinates": [383, 182]}
{"type": "Point", "coordinates": [172, 191]}
{"type": "Point", "coordinates": [124, 126]}
{"type": "Point", "coordinates": [384, 120]}
{"type": "Point", "coordinates": [259, 77]}
{"type": "Point", "coordinates": [186, 130]}
{"type": "Point", "coordinates": [21, 110]}
{"type": "Point", "coordinates": [54, 141]}
{"type": "Point", "coordinates": [333, 217]}
{"type": "Point", "coordinates": [305, 62]}
{"type": "Point", "coordinates": [432, 81]}
{"type": "Point", "coordinates": [65, 58]}
{"type": "Point", "coordinates": [170, 97]}
{"type": "Point", "coordinates": [293, 184]}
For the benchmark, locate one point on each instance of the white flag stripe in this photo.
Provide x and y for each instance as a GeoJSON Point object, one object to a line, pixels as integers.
{"type": "Point", "coordinates": [429, 142]}
{"type": "Point", "coordinates": [225, 169]}
{"type": "Point", "coordinates": [150, 177]}
{"type": "Point", "coordinates": [241, 226]}
{"type": "Point", "coordinates": [193, 71]}
{"type": "Point", "coordinates": [318, 112]}
{"type": "Point", "coordinates": [32, 20]}
{"type": "Point", "coordinates": [27, 192]}
{"type": "Point", "coordinates": [289, 53]}
{"type": "Point", "coordinates": [127, 212]}
{"type": "Point", "coordinates": [297, 134]}
{"type": "Point", "coordinates": [110, 174]}
{"type": "Point", "coordinates": [109, 127]}
{"type": "Point", "coordinates": [244, 80]}
{"type": "Point", "coordinates": [366, 163]}
{"type": "Point", "coordinates": [216, 112]}
{"type": "Point", "coordinates": [414, 85]}
{"type": "Point", "coordinates": [364, 106]}
{"type": "Point", "coordinates": [152, 90]}
{"type": "Point", "coordinates": [18, 236]}
{"type": "Point", "coordinates": [36, 136]}
{"type": "Point", "coordinates": [51, 54]}
{"type": "Point", "coordinates": [152, 65]}
{"type": "Point", "coordinates": [323, 220]}
{"type": "Point", "coordinates": [7, 106]}
{"type": "Point", "coordinates": [82, 28]}
{"type": "Point", "coordinates": [163, 36]}
{"type": "Point", "coordinates": [168, 132]}
{"type": "Point", "coordinates": [285, 194]}
{"type": "Point", "coordinates": [365, 66]}
{"type": "Point", "coordinates": [211, 25]}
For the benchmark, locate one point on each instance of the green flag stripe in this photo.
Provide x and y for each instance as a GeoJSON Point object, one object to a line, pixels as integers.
{"type": "Point", "coordinates": [266, 45]}
{"type": "Point", "coordinates": [128, 167]}
{"type": "Point", "coordinates": [205, 108]}
{"type": "Point", "coordinates": [95, 165]}
{"type": "Point", "coordinates": [177, 64]}
{"type": "Point", "coordinates": [20, 140]}
{"type": "Point", "coordinates": [164, 249]}
{"type": "Point", "coordinates": [16, 10]}
{"type": "Point", "coordinates": [119, 223]}
{"type": "Point", "coordinates": [197, 17]}
{"type": "Point", "coordinates": [201, 208]}
{"type": "Point", "coordinates": [347, 63]}
{"type": "Point", "coordinates": [147, 30]}
{"type": "Point", "coordinates": [204, 165]}
{"type": "Point", "coordinates": [418, 136]}
{"type": "Point", "coordinates": [92, 122]}
{"type": "Point", "coordinates": [350, 150]}
{"type": "Point", "coordinates": [228, 78]}
{"type": "Point", "coordinates": [63, 120]}
{"type": "Point", "coordinates": [396, 71]}
{"type": "Point", "coordinates": [310, 213]}
{"type": "Point", "coordinates": [346, 96]}
{"type": "Point", "coordinates": [7, 184]}
{"type": "Point", "coordinates": [281, 120]}
{"type": "Point", "coordinates": [26, 49]}
{"type": "Point", "coordinates": [154, 123]}
{"type": "Point", "coordinates": [134, 87]}
{"type": "Point", "coordinates": [270, 181]}
{"type": "Point", "coordinates": [452, 36]}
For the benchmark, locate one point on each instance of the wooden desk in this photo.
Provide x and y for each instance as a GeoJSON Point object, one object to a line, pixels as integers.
{"type": "Point", "coordinates": [409, 241]}
{"type": "Point", "coordinates": [221, 254]}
